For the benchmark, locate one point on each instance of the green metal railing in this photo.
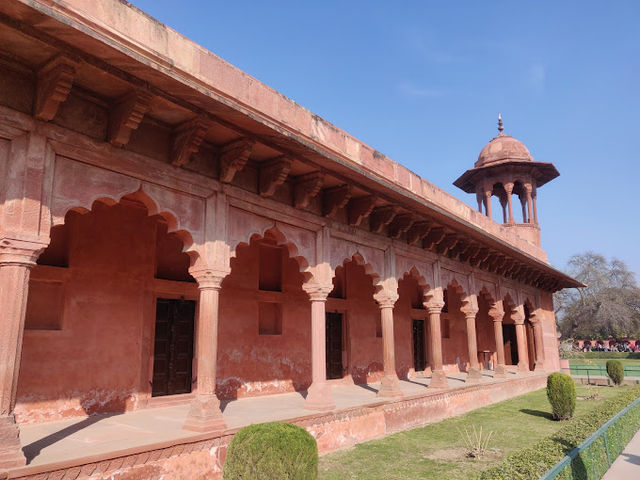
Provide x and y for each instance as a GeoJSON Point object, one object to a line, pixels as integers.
{"type": "Point", "coordinates": [601, 447]}
{"type": "Point", "coordinates": [601, 370]}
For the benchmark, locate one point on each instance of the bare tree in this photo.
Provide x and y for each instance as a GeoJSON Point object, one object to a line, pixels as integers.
{"type": "Point", "coordinates": [608, 306]}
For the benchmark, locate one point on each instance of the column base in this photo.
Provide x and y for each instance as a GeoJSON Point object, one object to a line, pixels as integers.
{"type": "Point", "coordinates": [11, 455]}
{"type": "Point", "coordinates": [473, 375]}
{"type": "Point", "coordinates": [438, 379]}
{"type": "Point", "coordinates": [319, 398]}
{"type": "Point", "coordinates": [539, 368]}
{"type": "Point", "coordinates": [523, 368]}
{"type": "Point", "coordinates": [500, 372]}
{"type": "Point", "coordinates": [390, 387]}
{"type": "Point", "coordinates": [205, 415]}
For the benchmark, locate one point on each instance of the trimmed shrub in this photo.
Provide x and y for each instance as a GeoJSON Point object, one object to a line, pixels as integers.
{"type": "Point", "coordinates": [615, 370]}
{"type": "Point", "coordinates": [533, 462]}
{"type": "Point", "coordinates": [561, 392]}
{"type": "Point", "coordinates": [267, 451]}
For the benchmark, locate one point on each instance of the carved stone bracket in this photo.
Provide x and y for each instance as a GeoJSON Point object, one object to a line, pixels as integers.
{"type": "Point", "coordinates": [448, 242]}
{"type": "Point", "coordinates": [233, 158]}
{"type": "Point", "coordinates": [126, 116]}
{"type": "Point", "coordinates": [400, 225]}
{"type": "Point", "coordinates": [382, 216]}
{"type": "Point", "coordinates": [496, 312]}
{"type": "Point", "coordinates": [54, 84]}
{"type": "Point", "coordinates": [417, 232]}
{"type": "Point", "coordinates": [360, 208]}
{"type": "Point", "coordinates": [20, 252]}
{"type": "Point", "coordinates": [273, 174]}
{"type": "Point", "coordinates": [386, 299]}
{"type": "Point", "coordinates": [187, 139]}
{"type": "Point", "coordinates": [435, 236]}
{"type": "Point", "coordinates": [335, 198]}
{"type": "Point", "coordinates": [306, 187]}
{"type": "Point", "coordinates": [517, 315]}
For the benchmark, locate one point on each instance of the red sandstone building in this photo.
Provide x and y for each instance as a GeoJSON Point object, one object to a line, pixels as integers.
{"type": "Point", "coordinates": [175, 234]}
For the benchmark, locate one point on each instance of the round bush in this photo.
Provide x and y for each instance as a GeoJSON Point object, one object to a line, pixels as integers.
{"type": "Point", "coordinates": [615, 370]}
{"type": "Point", "coordinates": [561, 392]}
{"type": "Point", "coordinates": [267, 451]}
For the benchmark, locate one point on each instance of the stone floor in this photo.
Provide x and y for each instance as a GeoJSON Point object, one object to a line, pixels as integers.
{"type": "Point", "coordinates": [69, 439]}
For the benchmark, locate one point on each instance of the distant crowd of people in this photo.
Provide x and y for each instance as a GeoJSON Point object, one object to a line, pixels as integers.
{"type": "Point", "coordinates": [616, 347]}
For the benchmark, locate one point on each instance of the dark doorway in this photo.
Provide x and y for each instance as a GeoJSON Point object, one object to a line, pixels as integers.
{"type": "Point", "coordinates": [419, 360]}
{"type": "Point", "coordinates": [510, 343]}
{"type": "Point", "coordinates": [333, 329]}
{"type": "Point", "coordinates": [173, 350]}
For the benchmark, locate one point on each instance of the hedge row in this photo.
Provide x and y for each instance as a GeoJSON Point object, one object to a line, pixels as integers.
{"type": "Point", "coordinates": [533, 462]}
{"type": "Point", "coordinates": [606, 355]}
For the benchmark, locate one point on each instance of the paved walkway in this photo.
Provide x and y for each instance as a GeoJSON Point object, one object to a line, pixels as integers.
{"type": "Point", "coordinates": [627, 465]}
{"type": "Point", "coordinates": [80, 437]}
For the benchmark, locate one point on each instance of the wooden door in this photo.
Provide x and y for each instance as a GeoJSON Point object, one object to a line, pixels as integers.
{"type": "Point", "coordinates": [333, 341]}
{"type": "Point", "coordinates": [419, 360]}
{"type": "Point", "coordinates": [173, 349]}
{"type": "Point", "coordinates": [510, 344]}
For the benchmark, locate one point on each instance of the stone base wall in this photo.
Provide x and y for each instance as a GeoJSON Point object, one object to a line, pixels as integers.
{"type": "Point", "coordinates": [202, 457]}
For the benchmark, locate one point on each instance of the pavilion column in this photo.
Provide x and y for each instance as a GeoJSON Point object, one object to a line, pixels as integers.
{"type": "Point", "coordinates": [389, 385]}
{"type": "Point", "coordinates": [528, 190]}
{"type": "Point", "coordinates": [205, 414]}
{"type": "Point", "coordinates": [508, 187]}
{"type": "Point", "coordinates": [470, 310]}
{"type": "Point", "coordinates": [534, 196]}
{"type": "Point", "coordinates": [438, 378]}
{"type": "Point", "coordinates": [518, 318]}
{"type": "Point", "coordinates": [479, 198]}
{"type": "Point", "coordinates": [538, 340]}
{"type": "Point", "coordinates": [487, 202]}
{"type": "Point", "coordinates": [16, 260]}
{"type": "Point", "coordinates": [319, 396]}
{"type": "Point", "coordinates": [496, 313]}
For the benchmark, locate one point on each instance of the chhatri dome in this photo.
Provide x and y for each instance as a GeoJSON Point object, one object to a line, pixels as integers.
{"type": "Point", "coordinates": [503, 148]}
{"type": "Point", "coordinates": [505, 168]}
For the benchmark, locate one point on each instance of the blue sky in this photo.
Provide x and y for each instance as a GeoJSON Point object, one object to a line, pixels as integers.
{"type": "Point", "coordinates": [423, 82]}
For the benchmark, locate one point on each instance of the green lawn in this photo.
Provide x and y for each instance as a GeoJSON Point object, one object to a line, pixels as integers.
{"type": "Point", "coordinates": [437, 451]}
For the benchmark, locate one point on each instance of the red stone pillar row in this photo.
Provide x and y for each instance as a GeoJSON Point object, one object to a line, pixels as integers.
{"type": "Point", "coordinates": [434, 308]}
{"type": "Point", "coordinates": [16, 260]}
{"type": "Point", "coordinates": [496, 313]}
{"type": "Point", "coordinates": [205, 414]}
{"type": "Point", "coordinates": [319, 395]}
{"type": "Point", "coordinates": [518, 318]}
{"type": "Point", "coordinates": [470, 310]}
{"type": "Point", "coordinates": [389, 385]}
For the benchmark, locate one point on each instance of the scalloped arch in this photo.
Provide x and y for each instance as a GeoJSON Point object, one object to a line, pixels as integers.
{"type": "Point", "coordinates": [414, 273]}
{"type": "Point", "coordinates": [359, 259]}
{"type": "Point", "coordinates": [153, 209]}
{"type": "Point", "coordinates": [281, 240]}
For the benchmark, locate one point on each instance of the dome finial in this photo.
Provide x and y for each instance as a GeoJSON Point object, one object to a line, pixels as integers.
{"type": "Point", "coordinates": [500, 127]}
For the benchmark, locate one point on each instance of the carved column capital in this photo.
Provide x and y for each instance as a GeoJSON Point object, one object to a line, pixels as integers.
{"type": "Point", "coordinates": [508, 187]}
{"type": "Point", "coordinates": [317, 292]}
{"type": "Point", "coordinates": [386, 299]}
{"type": "Point", "coordinates": [434, 306]}
{"type": "Point", "coordinates": [209, 278]}
{"type": "Point", "coordinates": [496, 312]}
{"type": "Point", "coordinates": [517, 314]}
{"type": "Point", "coordinates": [20, 252]}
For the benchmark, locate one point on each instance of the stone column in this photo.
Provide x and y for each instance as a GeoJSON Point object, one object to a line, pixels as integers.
{"type": "Point", "coordinates": [518, 318]}
{"type": "Point", "coordinates": [389, 385]}
{"type": "Point", "coordinates": [16, 260]}
{"type": "Point", "coordinates": [438, 378]}
{"type": "Point", "coordinates": [496, 313]}
{"type": "Point", "coordinates": [470, 310]}
{"type": "Point", "coordinates": [536, 321]}
{"type": "Point", "coordinates": [534, 195]}
{"type": "Point", "coordinates": [508, 187]}
{"type": "Point", "coordinates": [479, 198]}
{"type": "Point", "coordinates": [319, 395]}
{"type": "Point", "coordinates": [205, 414]}
{"type": "Point", "coordinates": [487, 200]}
{"type": "Point", "coordinates": [528, 190]}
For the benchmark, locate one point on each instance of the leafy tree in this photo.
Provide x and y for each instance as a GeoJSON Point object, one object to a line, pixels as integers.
{"type": "Point", "coordinates": [608, 306]}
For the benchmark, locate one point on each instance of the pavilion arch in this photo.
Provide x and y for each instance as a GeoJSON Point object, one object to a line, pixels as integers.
{"type": "Point", "coordinates": [415, 273]}
{"type": "Point", "coordinates": [174, 226]}
{"type": "Point", "coordinates": [275, 234]}
{"type": "Point", "coordinates": [487, 295]}
{"type": "Point", "coordinates": [369, 270]}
